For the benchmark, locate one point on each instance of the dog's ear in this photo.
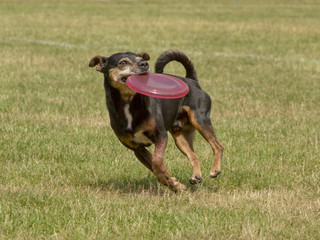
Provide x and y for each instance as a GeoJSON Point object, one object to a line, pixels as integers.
{"type": "Point", "coordinates": [145, 56]}
{"type": "Point", "coordinates": [99, 61]}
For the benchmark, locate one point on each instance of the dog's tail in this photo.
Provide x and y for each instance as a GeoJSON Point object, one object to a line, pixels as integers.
{"type": "Point", "coordinates": [176, 55]}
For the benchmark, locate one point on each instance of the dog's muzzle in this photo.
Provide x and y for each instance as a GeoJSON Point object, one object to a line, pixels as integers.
{"type": "Point", "coordinates": [143, 65]}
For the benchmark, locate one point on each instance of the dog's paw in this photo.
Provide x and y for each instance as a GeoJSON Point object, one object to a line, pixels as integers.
{"type": "Point", "coordinates": [195, 180]}
{"type": "Point", "coordinates": [176, 186]}
{"type": "Point", "coordinates": [214, 174]}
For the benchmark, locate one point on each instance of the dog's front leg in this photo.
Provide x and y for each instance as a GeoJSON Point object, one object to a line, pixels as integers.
{"type": "Point", "coordinates": [159, 169]}
{"type": "Point", "coordinates": [144, 157]}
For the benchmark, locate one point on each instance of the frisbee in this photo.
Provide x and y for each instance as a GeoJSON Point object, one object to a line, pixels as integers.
{"type": "Point", "coordinates": [158, 85]}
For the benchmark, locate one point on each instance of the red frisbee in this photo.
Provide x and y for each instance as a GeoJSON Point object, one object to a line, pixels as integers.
{"type": "Point", "coordinates": [158, 85]}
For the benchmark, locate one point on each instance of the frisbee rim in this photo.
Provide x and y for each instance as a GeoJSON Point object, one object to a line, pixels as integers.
{"type": "Point", "coordinates": [134, 84]}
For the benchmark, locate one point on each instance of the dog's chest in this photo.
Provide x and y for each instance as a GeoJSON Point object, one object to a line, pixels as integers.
{"type": "Point", "coordinates": [138, 130]}
{"type": "Point", "coordinates": [141, 138]}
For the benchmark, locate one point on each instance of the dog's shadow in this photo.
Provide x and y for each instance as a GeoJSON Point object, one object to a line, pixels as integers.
{"type": "Point", "coordinates": [135, 186]}
{"type": "Point", "coordinates": [138, 186]}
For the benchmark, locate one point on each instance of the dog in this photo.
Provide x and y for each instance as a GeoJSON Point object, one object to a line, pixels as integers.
{"type": "Point", "coordinates": [140, 121]}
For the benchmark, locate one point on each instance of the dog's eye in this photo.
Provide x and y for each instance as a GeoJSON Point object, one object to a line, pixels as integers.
{"type": "Point", "coordinates": [123, 63]}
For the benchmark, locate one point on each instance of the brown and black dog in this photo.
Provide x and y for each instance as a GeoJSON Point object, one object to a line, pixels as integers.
{"type": "Point", "coordinates": [139, 120]}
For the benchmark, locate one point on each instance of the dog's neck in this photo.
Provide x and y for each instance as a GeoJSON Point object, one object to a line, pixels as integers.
{"type": "Point", "coordinates": [125, 93]}
{"type": "Point", "coordinates": [125, 111]}
{"type": "Point", "coordinates": [117, 100]}
{"type": "Point", "coordinates": [127, 96]}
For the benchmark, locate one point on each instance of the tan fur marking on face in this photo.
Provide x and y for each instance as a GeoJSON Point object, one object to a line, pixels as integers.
{"type": "Point", "coordinates": [138, 59]}
{"type": "Point", "coordinates": [125, 91]}
{"type": "Point", "coordinates": [113, 74]}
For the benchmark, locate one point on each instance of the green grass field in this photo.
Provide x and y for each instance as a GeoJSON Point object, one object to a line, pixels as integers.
{"type": "Point", "coordinates": [64, 174]}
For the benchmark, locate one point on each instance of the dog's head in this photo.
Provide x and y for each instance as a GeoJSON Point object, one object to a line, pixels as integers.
{"type": "Point", "coordinates": [118, 67]}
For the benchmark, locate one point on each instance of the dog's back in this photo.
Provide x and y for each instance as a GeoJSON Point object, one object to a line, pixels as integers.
{"type": "Point", "coordinates": [176, 55]}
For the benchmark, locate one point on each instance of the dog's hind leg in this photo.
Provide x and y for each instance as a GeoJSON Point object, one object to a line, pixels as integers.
{"type": "Point", "coordinates": [204, 126]}
{"type": "Point", "coordinates": [159, 169]}
{"type": "Point", "coordinates": [184, 141]}
{"type": "Point", "coordinates": [217, 150]}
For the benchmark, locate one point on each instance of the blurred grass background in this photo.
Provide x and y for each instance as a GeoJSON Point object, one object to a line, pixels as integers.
{"type": "Point", "coordinates": [64, 174]}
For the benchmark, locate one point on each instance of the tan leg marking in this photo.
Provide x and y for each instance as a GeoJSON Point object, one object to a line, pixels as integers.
{"type": "Point", "coordinates": [184, 141]}
{"type": "Point", "coordinates": [160, 170]}
{"type": "Point", "coordinates": [206, 130]}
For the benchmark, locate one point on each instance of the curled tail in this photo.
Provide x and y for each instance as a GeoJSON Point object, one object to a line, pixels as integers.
{"type": "Point", "coordinates": [176, 55]}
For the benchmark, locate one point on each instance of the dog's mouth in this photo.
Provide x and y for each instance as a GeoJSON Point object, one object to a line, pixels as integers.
{"type": "Point", "coordinates": [124, 78]}
{"type": "Point", "coordinates": [124, 75]}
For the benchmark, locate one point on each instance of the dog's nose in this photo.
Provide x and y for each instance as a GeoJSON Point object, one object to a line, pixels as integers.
{"type": "Point", "coordinates": [143, 64]}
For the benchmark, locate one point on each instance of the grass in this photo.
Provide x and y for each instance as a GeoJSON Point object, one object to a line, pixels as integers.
{"type": "Point", "coordinates": [63, 173]}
